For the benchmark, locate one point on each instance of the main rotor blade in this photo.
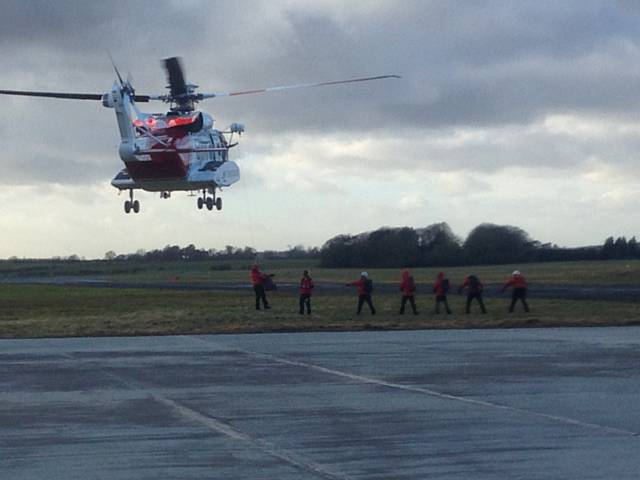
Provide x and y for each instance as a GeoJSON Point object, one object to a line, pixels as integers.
{"type": "Point", "coordinates": [175, 76]}
{"type": "Point", "coordinates": [290, 87]}
{"type": "Point", "coordinates": [74, 96]}
{"type": "Point", "coordinates": [68, 96]}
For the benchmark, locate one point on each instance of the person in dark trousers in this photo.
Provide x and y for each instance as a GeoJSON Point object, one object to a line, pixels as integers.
{"type": "Point", "coordinates": [474, 290]}
{"type": "Point", "coordinates": [257, 280]}
{"type": "Point", "coordinates": [408, 289]}
{"type": "Point", "coordinates": [519, 285]}
{"type": "Point", "coordinates": [306, 286]}
{"type": "Point", "coordinates": [365, 288]}
{"type": "Point", "coordinates": [441, 288]}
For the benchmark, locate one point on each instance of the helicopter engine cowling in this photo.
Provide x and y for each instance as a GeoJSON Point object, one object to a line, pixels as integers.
{"type": "Point", "coordinates": [207, 121]}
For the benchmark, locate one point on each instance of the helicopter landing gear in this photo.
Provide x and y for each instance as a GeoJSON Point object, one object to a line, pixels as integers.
{"type": "Point", "coordinates": [209, 202]}
{"type": "Point", "coordinates": [165, 195]}
{"type": "Point", "coordinates": [131, 204]}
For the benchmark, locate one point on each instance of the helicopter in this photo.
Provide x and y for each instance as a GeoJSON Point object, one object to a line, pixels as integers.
{"type": "Point", "coordinates": [179, 150]}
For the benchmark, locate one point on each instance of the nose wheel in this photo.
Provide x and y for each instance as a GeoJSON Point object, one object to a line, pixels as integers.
{"type": "Point", "coordinates": [131, 204]}
{"type": "Point", "coordinates": [209, 202]}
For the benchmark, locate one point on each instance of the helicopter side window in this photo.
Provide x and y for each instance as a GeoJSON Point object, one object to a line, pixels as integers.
{"type": "Point", "coordinates": [218, 142]}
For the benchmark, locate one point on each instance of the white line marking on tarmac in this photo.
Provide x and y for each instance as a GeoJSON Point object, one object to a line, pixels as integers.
{"type": "Point", "coordinates": [285, 455]}
{"type": "Point", "coordinates": [218, 426]}
{"type": "Point", "coordinates": [446, 396]}
{"type": "Point", "coordinates": [432, 393]}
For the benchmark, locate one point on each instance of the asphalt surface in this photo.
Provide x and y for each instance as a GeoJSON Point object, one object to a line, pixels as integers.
{"type": "Point", "coordinates": [470, 404]}
{"type": "Point", "coordinates": [620, 293]}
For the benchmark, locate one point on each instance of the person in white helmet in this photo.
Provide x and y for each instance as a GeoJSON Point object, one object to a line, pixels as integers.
{"type": "Point", "coordinates": [519, 285]}
{"type": "Point", "coordinates": [365, 289]}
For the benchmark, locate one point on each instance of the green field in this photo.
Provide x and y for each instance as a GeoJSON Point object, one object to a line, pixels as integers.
{"type": "Point", "coordinates": [43, 311]}
{"type": "Point", "coordinates": [51, 311]}
{"type": "Point", "coordinates": [582, 273]}
{"type": "Point", "coordinates": [578, 273]}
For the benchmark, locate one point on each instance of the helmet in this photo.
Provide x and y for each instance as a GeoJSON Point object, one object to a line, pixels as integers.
{"type": "Point", "coordinates": [364, 274]}
{"type": "Point", "coordinates": [516, 273]}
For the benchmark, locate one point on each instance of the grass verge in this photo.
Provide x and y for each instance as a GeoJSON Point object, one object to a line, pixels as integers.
{"type": "Point", "coordinates": [28, 311]}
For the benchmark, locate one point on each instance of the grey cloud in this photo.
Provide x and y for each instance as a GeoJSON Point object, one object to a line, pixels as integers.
{"type": "Point", "coordinates": [54, 169]}
{"type": "Point", "coordinates": [84, 26]}
{"type": "Point", "coordinates": [500, 63]}
{"type": "Point", "coordinates": [464, 64]}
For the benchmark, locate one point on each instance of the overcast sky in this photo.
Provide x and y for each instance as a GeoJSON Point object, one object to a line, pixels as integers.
{"type": "Point", "coordinates": [520, 113]}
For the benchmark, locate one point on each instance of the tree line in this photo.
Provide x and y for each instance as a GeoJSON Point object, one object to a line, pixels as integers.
{"type": "Point", "coordinates": [193, 253]}
{"type": "Point", "coordinates": [437, 245]}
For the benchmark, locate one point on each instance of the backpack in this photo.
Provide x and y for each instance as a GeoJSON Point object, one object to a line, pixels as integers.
{"type": "Point", "coordinates": [268, 283]}
{"type": "Point", "coordinates": [368, 286]}
{"type": "Point", "coordinates": [444, 285]}
{"type": "Point", "coordinates": [474, 284]}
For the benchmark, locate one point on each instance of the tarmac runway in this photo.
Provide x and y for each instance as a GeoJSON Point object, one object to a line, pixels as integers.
{"type": "Point", "coordinates": [464, 404]}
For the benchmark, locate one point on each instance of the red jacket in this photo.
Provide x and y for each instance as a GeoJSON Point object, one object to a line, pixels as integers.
{"type": "Point", "coordinates": [306, 285]}
{"type": "Point", "coordinates": [257, 277]}
{"type": "Point", "coordinates": [407, 287]}
{"type": "Point", "coordinates": [516, 281]}
{"type": "Point", "coordinates": [438, 287]}
{"type": "Point", "coordinates": [362, 288]}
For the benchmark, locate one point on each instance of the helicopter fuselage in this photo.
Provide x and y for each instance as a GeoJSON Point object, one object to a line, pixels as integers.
{"type": "Point", "coordinates": [176, 152]}
{"type": "Point", "coordinates": [173, 151]}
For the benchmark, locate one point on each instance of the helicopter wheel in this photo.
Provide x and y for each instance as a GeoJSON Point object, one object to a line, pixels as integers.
{"type": "Point", "coordinates": [200, 203]}
{"type": "Point", "coordinates": [209, 203]}
{"type": "Point", "coordinates": [218, 203]}
{"type": "Point", "coordinates": [127, 206]}
{"type": "Point", "coordinates": [136, 206]}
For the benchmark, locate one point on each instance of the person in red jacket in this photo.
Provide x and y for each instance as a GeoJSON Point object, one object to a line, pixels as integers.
{"type": "Point", "coordinates": [257, 280]}
{"type": "Point", "coordinates": [441, 288]}
{"type": "Point", "coordinates": [306, 286]}
{"type": "Point", "coordinates": [474, 290]}
{"type": "Point", "coordinates": [519, 284]}
{"type": "Point", "coordinates": [408, 289]}
{"type": "Point", "coordinates": [365, 287]}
